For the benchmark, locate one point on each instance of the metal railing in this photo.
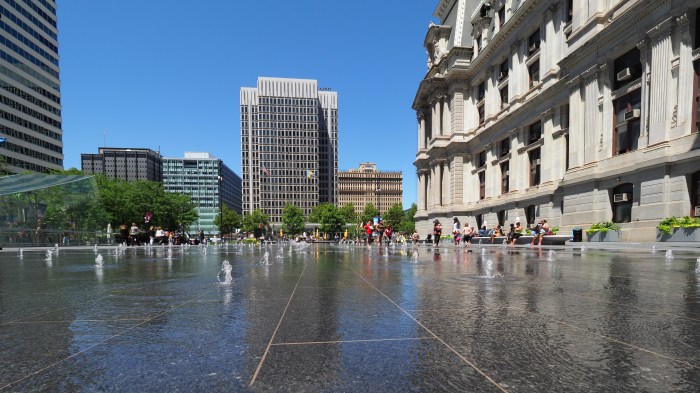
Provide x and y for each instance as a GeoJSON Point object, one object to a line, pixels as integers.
{"type": "Point", "coordinates": [27, 237]}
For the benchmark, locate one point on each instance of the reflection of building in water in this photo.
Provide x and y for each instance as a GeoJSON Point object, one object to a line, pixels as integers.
{"type": "Point", "coordinates": [560, 110]}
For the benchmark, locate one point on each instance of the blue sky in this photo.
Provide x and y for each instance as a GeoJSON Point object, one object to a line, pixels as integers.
{"type": "Point", "coordinates": [167, 74]}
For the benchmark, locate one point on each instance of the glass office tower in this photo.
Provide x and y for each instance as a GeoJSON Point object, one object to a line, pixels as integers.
{"type": "Point", "coordinates": [289, 145]}
{"type": "Point", "coordinates": [31, 138]}
{"type": "Point", "coordinates": [203, 177]}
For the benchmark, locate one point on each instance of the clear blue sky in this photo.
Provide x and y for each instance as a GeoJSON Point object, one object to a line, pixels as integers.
{"type": "Point", "coordinates": [167, 74]}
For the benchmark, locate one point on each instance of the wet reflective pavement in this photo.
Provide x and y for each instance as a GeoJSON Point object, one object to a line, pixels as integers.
{"type": "Point", "coordinates": [335, 318]}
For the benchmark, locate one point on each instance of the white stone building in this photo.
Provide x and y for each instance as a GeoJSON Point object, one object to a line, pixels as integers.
{"type": "Point", "coordinates": [575, 111]}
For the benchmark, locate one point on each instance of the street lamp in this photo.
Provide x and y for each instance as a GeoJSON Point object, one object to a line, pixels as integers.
{"type": "Point", "coordinates": [379, 194]}
{"type": "Point", "coordinates": [221, 207]}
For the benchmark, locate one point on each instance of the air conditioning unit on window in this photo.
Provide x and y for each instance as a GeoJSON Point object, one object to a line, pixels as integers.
{"type": "Point", "coordinates": [697, 211]}
{"type": "Point", "coordinates": [502, 75]}
{"type": "Point", "coordinates": [507, 173]}
{"type": "Point", "coordinates": [625, 74]}
{"type": "Point", "coordinates": [536, 162]}
{"type": "Point", "coordinates": [533, 48]}
{"type": "Point", "coordinates": [633, 114]}
{"type": "Point", "coordinates": [621, 197]}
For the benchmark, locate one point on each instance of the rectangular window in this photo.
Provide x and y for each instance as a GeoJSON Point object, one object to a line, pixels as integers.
{"type": "Point", "coordinates": [696, 97]}
{"type": "Point", "coordinates": [534, 133]}
{"type": "Point", "coordinates": [569, 11]}
{"type": "Point", "coordinates": [482, 159]}
{"type": "Point", "coordinates": [627, 122]}
{"type": "Point", "coordinates": [481, 91]}
{"type": "Point", "coordinates": [482, 114]}
{"type": "Point", "coordinates": [505, 174]}
{"type": "Point", "coordinates": [534, 72]}
{"type": "Point", "coordinates": [482, 185]}
{"type": "Point", "coordinates": [533, 42]}
{"type": "Point", "coordinates": [505, 147]}
{"type": "Point", "coordinates": [501, 16]}
{"type": "Point", "coordinates": [627, 68]}
{"type": "Point", "coordinates": [503, 70]}
{"type": "Point", "coordinates": [535, 167]}
{"type": "Point", "coordinates": [504, 96]}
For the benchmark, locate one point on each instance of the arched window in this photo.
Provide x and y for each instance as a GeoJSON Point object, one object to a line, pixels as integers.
{"type": "Point", "coordinates": [622, 202]}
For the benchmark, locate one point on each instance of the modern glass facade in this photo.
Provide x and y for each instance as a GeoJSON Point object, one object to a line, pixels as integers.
{"type": "Point", "coordinates": [198, 175]}
{"type": "Point", "coordinates": [30, 118]}
{"type": "Point", "coordinates": [289, 145]}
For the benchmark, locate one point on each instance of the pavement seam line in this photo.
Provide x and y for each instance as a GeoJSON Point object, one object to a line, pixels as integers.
{"type": "Point", "coordinates": [77, 320]}
{"type": "Point", "coordinates": [472, 365]}
{"type": "Point", "coordinates": [279, 323]}
{"type": "Point", "coordinates": [356, 341]}
{"type": "Point", "coordinates": [101, 342]}
{"type": "Point", "coordinates": [616, 340]}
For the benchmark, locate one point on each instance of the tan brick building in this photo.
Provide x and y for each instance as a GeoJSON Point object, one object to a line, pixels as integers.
{"type": "Point", "coordinates": [368, 185]}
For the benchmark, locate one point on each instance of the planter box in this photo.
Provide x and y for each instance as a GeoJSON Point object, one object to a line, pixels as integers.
{"type": "Point", "coordinates": [609, 236]}
{"type": "Point", "coordinates": [680, 235]}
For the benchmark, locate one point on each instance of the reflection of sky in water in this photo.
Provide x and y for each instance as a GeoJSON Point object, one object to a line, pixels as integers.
{"type": "Point", "coordinates": [548, 323]}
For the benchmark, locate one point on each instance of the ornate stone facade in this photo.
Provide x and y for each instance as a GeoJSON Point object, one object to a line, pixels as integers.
{"type": "Point", "coordinates": [552, 109]}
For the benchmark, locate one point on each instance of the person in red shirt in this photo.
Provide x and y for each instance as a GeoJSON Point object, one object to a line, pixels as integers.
{"type": "Point", "coordinates": [369, 229]}
{"type": "Point", "coordinates": [388, 232]}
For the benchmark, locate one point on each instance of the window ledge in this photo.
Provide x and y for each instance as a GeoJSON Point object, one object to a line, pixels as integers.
{"type": "Point", "coordinates": [532, 146]}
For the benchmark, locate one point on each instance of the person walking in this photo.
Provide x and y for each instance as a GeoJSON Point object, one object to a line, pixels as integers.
{"type": "Point", "coordinates": [134, 234]}
{"type": "Point", "coordinates": [369, 229]}
{"type": "Point", "coordinates": [380, 231]}
{"type": "Point", "coordinates": [456, 231]}
{"type": "Point", "coordinates": [437, 231]}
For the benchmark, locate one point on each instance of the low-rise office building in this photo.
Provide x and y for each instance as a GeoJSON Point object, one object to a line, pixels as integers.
{"type": "Point", "coordinates": [366, 184]}
{"type": "Point", "coordinates": [124, 164]}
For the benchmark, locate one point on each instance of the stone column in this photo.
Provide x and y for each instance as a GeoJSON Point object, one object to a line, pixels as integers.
{"type": "Point", "coordinates": [516, 71]}
{"type": "Point", "coordinates": [435, 117]}
{"type": "Point", "coordinates": [421, 129]}
{"type": "Point", "coordinates": [446, 198]}
{"type": "Point", "coordinates": [605, 112]}
{"type": "Point", "coordinates": [643, 47]}
{"type": "Point", "coordinates": [448, 127]}
{"type": "Point", "coordinates": [576, 135]}
{"type": "Point", "coordinates": [457, 180]}
{"type": "Point", "coordinates": [457, 107]}
{"type": "Point", "coordinates": [660, 73]}
{"type": "Point", "coordinates": [590, 125]}
{"type": "Point", "coordinates": [684, 114]}
{"type": "Point", "coordinates": [490, 105]}
{"type": "Point", "coordinates": [549, 157]}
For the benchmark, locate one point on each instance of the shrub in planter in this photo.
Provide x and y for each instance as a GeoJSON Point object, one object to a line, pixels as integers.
{"type": "Point", "coordinates": [667, 225]}
{"type": "Point", "coordinates": [602, 227]}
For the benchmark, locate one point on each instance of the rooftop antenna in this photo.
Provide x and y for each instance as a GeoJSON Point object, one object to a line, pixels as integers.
{"type": "Point", "coordinates": [104, 138]}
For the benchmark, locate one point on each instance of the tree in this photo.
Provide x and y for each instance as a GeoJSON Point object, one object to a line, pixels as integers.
{"type": "Point", "coordinates": [318, 210]}
{"type": "Point", "coordinates": [369, 213]}
{"type": "Point", "coordinates": [232, 220]}
{"type": "Point", "coordinates": [254, 219]}
{"type": "Point", "coordinates": [348, 212]}
{"type": "Point", "coordinates": [331, 219]}
{"type": "Point", "coordinates": [408, 224]}
{"type": "Point", "coordinates": [394, 216]}
{"type": "Point", "coordinates": [292, 219]}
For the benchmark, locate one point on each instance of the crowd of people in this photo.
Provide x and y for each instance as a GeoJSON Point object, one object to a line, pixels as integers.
{"type": "Point", "coordinates": [135, 236]}
{"type": "Point", "coordinates": [466, 233]}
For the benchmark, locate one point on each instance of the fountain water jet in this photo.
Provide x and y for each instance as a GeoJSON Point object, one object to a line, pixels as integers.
{"type": "Point", "coordinates": [225, 273]}
{"type": "Point", "coordinates": [99, 261]}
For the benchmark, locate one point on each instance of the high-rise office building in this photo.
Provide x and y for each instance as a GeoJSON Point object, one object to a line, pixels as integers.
{"type": "Point", "coordinates": [289, 145]}
{"type": "Point", "coordinates": [30, 114]}
{"type": "Point", "coordinates": [366, 184]}
{"type": "Point", "coordinates": [208, 181]}
{"type": "Point", "coordinates": [124, 164]}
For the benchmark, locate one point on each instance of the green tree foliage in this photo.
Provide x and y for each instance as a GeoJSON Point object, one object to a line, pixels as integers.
{"type": "Point", "coordinates": [348, 212]}
{"type": "Point", "coordinates": [369, 213]}
{"type": "Point", "coordinates": [394, 216]}
{"type": "Point", "coordinates": [292, 219]}
{"type": "Point", "coordinates": [318, 210]}
{"type": "Point", "coordinates": [127, 202]}
{"type": "Point", "coordinates": [408, 224]}
{"type": "Point", "coordinates": [232, 220]}
{"type": "Point", "coordinates": [254, 219]}
{"type": "Point", "coordinates": [331, 220]}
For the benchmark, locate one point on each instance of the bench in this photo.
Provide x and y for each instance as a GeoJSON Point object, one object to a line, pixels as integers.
{"type": "Point", "coordinates": [547, 240]}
